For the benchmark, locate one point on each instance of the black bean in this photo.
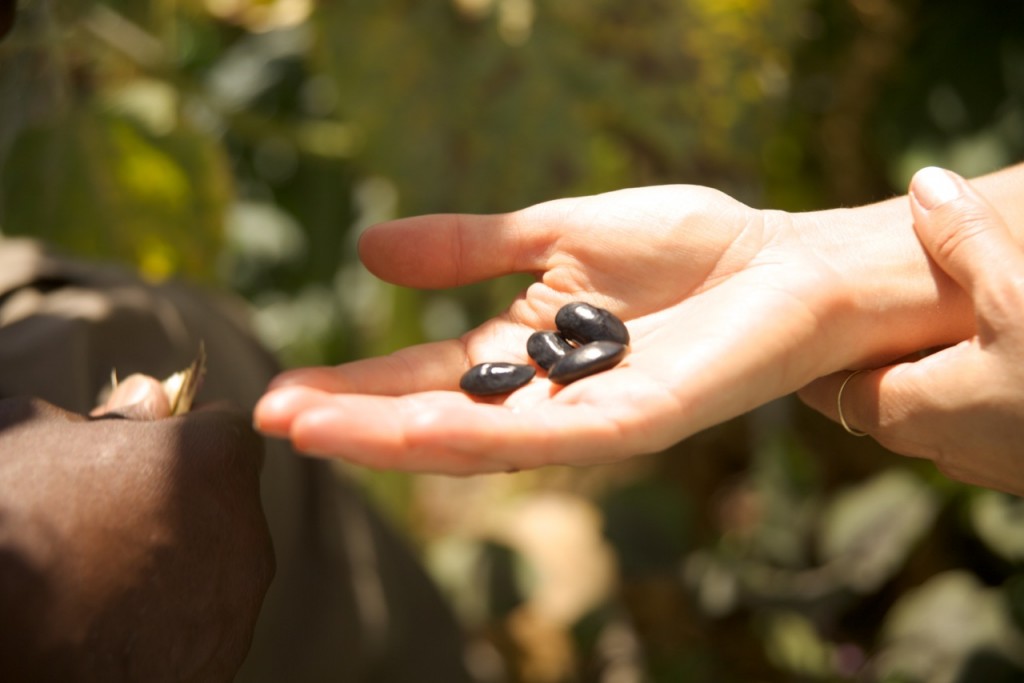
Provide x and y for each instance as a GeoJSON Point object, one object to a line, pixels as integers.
{"type": "Point", "coordinates": [491, 379]}
{"type": "Point", "coordinates": [582, 323]}
{"type": "Point", "coordinates": [586, 360]}
{"type": "Point", "coordinates": [546, 348]}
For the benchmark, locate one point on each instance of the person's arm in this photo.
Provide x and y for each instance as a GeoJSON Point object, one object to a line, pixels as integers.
{"type": "Point", "coordinates": [728, 308]}
{"type": "Point", "coordinates": [962, 406]}
{"type": "Point", "coordinates": [896, 301]}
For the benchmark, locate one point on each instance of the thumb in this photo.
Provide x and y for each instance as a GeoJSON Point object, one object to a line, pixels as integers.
{"type": "Point", "coordinates": [449, 250]}
{"type": "Point", "coordinates": [963, 233]}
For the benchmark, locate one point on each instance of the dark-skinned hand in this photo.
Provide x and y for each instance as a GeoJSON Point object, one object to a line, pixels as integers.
{"type": "Point", "coordinates": [133, 545]}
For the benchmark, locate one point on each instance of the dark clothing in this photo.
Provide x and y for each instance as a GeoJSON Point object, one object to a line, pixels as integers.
{"type": "Point", "coordinates": [349, 601]}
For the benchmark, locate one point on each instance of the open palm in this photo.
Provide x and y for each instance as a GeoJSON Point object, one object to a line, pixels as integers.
{"type": "Point", "coordinates": [723, 304]}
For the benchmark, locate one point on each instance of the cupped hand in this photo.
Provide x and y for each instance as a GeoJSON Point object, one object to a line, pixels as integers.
{"type": "Point", "coordinates": [962, 406]}
{"type": "Point", "coordinates": [726, 307]}
{"type": "Point", "coordinates": [133, 545]}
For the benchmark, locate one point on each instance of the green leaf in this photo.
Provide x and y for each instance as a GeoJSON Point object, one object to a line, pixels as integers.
{"type": "Point", "coordinates": [998, 519]}
{"type": "Point", "coordinates": [869, 529]}
{"type": "Point", "coordinates": [100, 185]}
{"type": "Point", "coordinates": [793, 644]}
{"type": "Point", "coordinates": [933, 630]}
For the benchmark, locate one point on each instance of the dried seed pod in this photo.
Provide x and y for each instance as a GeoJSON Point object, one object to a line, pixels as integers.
{"type": "Point", "coordinates": [181, 387]}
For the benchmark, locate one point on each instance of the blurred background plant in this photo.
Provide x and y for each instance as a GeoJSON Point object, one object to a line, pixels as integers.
{"type": "Point", "coordinates": [244, 144]}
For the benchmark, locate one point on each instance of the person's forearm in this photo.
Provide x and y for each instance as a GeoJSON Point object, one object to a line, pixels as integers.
{"type": "Point", "coordinates": [1005, 191]}
{"type": "Point", "coordinates": [891, 300]}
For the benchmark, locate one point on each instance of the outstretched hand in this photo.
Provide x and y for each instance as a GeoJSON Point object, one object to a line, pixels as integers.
{"type": "Point", "coordinates": [133, 545]}
{"type": "Point", "coordinates": [728, 307]}
{"type": "Point", "coordinates": [962, 406]}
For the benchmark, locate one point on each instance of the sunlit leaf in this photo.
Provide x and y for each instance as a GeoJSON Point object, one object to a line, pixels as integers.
{"type": "Point", "coordinates": [98, 185]}
{"type": "Point", "coordinates": [794, 645]}
{"type": "Point", "coordinates": [998, 519]}
{"type": "Point", "coordinates": [933, 629]}
{"type": "Point", "coordinates": [869, 529]}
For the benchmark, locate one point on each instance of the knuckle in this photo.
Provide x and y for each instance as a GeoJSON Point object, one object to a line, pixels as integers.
{"type": "Point", "coordinates": [961, 227]}
{"type": "Point", "coordinates": [1004, 297]}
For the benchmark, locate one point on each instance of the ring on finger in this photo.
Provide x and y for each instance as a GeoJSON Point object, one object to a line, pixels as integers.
{"type": "Point", "coordinates": [839, 406]}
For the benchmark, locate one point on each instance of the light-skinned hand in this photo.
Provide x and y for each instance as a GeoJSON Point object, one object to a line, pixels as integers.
{"type": "Point", "coordinates": [962, 406]}
{"type": "Point", "coordinates": [728, 308]}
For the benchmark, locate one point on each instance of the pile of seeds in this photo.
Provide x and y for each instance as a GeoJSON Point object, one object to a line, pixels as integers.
{"type": "Point", "coordinates": [588, 340]}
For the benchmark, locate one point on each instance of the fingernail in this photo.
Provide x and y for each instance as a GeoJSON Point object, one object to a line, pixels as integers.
{"type": "Point", "coordinates": [933, 186]}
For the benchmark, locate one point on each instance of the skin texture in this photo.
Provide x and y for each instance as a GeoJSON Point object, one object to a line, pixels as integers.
{"type": "Point", "coordinates": [132, 544]}
{"type": "Point", "coordinates": [728, 307]}
{"type": "Point", "coordinates": [962, 406]}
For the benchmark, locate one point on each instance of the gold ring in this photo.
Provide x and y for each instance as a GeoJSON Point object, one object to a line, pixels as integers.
{"type": "Point", "coordinates": [839, 405]}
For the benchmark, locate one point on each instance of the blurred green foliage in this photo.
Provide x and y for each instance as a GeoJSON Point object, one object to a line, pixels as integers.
{"type": "Point", "coordinates": [246, 143]}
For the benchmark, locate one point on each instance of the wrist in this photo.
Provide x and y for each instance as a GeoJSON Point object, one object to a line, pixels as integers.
{"type": "Point", "coordinates": [888, 298]}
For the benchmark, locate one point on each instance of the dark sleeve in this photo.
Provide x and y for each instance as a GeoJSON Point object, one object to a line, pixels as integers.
{"type": "Point", "coordinates": [349, 602]}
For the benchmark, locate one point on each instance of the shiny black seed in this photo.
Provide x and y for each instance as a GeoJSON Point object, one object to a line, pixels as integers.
{"type": "Point", "coordinates": [586, 360]}
{"type": "Point", "coordinates": [582, 323]}
{"type": "Point", "coordinates": [490, 379]}
{"type": "Point", "coordinates": [546, 348]}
